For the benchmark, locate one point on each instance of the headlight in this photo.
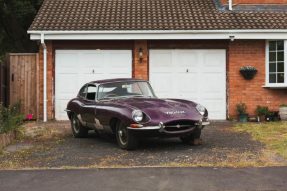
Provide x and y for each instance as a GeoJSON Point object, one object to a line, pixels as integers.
{"type": "Point", "coordinates": [200, 109]}
{"type": "Point", "coordinates": [137, 115]}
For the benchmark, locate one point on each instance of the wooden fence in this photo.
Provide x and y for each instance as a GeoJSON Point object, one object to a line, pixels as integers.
{"type": "Point", "coordinates": [3, 83]}
{"type": "Point", "coordinates": [23, 81]}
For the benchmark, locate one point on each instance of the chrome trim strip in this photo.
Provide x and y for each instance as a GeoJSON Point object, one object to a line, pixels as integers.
{"type": "Point", "coordinates": [176, 126]}
{"type": "Point", "coordinates": [146, 128]}
{"type": "Point", "coordinates": [161, 127]}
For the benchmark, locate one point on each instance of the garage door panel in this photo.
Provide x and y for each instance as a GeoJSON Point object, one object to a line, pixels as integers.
{"type": "Point", "coordinates": [197, 75]}
{"type": "Point", "coordinates": [210, 82]}
{"type": "Point", "coordinates": [118, 59]}
{"type": "Point", "coordinates": [74, 68]}
{"type": "Point", "coordinates": [68, 60]}
{"type": "Point", "coordinates": [62, 105]}
{"type": "Point", "coordinates": [117, 75]}
{"type": "Point", "coordinates": [86, 77]}
{"type": "Point", "coordinates": [64, 80]}
{"type": "Point", "coordinates": [162, 60]}
{"type": "Point", "coordinates": [213, 105]}
{"type": "Point", "coordinates": [187, 59]}
{"type": "Point", "coordinates": [190, 87]}
{"type": "Point", "coordinates": [162, 89]}
{"type": "Point", "coordinates": [91, 60]}
{"type": "Point", "coordinates": [213, 60]}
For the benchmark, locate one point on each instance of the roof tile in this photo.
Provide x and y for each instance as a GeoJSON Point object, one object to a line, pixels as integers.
{"type": "Point", "coordinates": [150, 15]}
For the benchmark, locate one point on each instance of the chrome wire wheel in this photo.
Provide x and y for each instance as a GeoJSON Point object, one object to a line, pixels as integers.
{"type": "Point", "coordinates": [78, 130]}
{"type": "Point", "coordinates": [123, 135]}
{"type": "Point", "coordinates": [76, 125]}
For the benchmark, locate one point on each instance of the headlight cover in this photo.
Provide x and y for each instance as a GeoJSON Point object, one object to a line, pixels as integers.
{"type": "Point", "coordinates": [137, 115]}
{"type": "Point", "coordinates": [200, 109]}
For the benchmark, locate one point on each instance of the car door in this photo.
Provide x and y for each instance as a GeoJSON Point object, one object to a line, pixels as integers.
{"type": "Point", "coordinates": [89, 106]}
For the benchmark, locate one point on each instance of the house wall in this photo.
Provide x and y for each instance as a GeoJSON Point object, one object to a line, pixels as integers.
{"type": "Point", "coordinates": [239, 53]}
{"type": "Point", "coordinates": [256, 1]}
{"type": "Point", "coordinates": [140, 65]}
{"type": "Point", "coordinates": [50, 81]}
{"type": "Point", "coordinates": [251, 92]}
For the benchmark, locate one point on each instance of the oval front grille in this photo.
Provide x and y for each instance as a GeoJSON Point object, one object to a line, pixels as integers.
{"type": "Point", "coordinates": [178, 125]}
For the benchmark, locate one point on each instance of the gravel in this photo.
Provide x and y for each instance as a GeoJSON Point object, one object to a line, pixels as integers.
{"type": "Point", "coordinates": [222, 146]}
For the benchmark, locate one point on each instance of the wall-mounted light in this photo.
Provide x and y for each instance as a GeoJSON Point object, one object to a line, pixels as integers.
{"type": "Point", "coordinates": [140, 55]}
{"type": "Point", "coordinates": [231, 38]}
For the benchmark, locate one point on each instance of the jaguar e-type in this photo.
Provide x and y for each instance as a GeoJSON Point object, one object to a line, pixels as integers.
{"type": "Point", "coordinates": [130, 109]}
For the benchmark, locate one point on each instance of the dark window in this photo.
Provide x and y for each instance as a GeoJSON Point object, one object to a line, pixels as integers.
{"type": "Point", "coordinates": [91, 92]}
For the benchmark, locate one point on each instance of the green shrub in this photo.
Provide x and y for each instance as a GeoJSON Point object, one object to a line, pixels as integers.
{"type": "Point", "coordinates": [10, 118]}
{"type": "Point", "coordinates": [262, 110]}
{"type": "Point", "coordinates": [241, 108]}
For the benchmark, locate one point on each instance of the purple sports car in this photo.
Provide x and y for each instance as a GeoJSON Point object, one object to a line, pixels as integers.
{"type": "Point", "coordinates": [129, 109]}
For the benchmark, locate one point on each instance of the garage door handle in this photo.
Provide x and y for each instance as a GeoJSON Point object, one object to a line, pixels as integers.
{"type": "Point", "coordinates": [187, 71]}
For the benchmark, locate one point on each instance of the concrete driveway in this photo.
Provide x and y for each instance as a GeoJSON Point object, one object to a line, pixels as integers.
{"type": "Point", "coordinates": [222, 147]}
{"type": "Point", "coordinates": [197, 179]}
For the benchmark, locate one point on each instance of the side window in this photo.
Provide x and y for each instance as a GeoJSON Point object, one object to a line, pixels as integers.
{"type": "Point", "coordinates": [91, 92]}
{"type": "Point", "coordinates": [277, 62]}
{"type": "Point", "coordinates": [83, 91]}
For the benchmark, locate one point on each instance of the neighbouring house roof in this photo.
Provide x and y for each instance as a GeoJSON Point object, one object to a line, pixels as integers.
{"type": "Point", "coordinates": [122, 15]}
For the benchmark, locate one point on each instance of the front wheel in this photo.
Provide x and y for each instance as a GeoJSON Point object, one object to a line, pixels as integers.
{"type": "Point", "coordinates": [193, 138]}
{"type": "Point", "coordinates": [79, 131]}
{"type": "Point", "coordinates": [125, 138]}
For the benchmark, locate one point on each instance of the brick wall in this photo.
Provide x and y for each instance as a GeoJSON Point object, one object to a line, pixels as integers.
{"type": "Point", "coordinates": [140, 65]}
{"type": "Point", "coordinates": [251, 92]}
{"type": "Point", "coordinates": [256, 1]}
{"type": "Point", "coordinates": [50, 81]}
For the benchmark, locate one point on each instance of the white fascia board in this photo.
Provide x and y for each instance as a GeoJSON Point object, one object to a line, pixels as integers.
{"type": "Point", "coordinates": [163, 35]}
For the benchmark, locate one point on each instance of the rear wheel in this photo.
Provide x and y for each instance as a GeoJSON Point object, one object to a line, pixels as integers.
{"type": "Point", "coordinates": [79, 131]}
{"type": "Point", "coordinates": [193, 138]}
{"type": "Point", "coordinates": [125, 138]}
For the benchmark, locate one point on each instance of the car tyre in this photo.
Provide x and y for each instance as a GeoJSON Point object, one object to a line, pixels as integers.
{"type": "Point", "coordinates": [78, 130]}
{"type": "Point", "coordinates": [126, 139]}
{"type": "Point", "coordinates": [193, 138]}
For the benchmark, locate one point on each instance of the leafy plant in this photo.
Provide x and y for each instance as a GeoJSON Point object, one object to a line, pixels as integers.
{"type": "Point", "coordinates": [262, 110]}
{"type": "Point", "coordinates": [10, 118]}
{"type": "Point", "coordinates": [248, 68]}
{"type": "Point", "coordinates": [241, 108]}
{"type": "Point", "coordinates": [248, 72]}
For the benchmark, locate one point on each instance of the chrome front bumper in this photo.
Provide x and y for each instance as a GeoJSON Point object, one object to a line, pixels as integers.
{"type": "Point", "coordinates": [161, 127]}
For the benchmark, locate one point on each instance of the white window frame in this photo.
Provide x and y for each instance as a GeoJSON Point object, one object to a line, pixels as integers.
{"type": "Point", "coordinates": [275, 85]}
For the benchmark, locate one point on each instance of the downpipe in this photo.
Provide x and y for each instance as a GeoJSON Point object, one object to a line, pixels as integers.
{"type": "Point", "coordinates": [44, 77]}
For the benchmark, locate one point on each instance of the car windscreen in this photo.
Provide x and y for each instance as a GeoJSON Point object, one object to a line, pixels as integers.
{"type": "Point", "coordinates": [125, 89]}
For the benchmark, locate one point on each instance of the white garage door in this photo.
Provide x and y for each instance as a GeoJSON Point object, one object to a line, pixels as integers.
{"type": "Point", "coordinates": [198, 75]}
{"type": "Point", "coordinates": [74, 68]}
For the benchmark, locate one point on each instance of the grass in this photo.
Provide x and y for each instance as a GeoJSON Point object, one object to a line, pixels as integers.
{"type": "Point", "coordinates": [272, 134]}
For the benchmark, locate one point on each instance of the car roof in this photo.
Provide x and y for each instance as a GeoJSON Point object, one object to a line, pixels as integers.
{"type": "Point", "coordinates": [115, 80]}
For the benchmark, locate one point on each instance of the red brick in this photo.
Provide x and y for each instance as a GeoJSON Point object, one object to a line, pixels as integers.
{"type": "Point", "coordinates": [251, 92]}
